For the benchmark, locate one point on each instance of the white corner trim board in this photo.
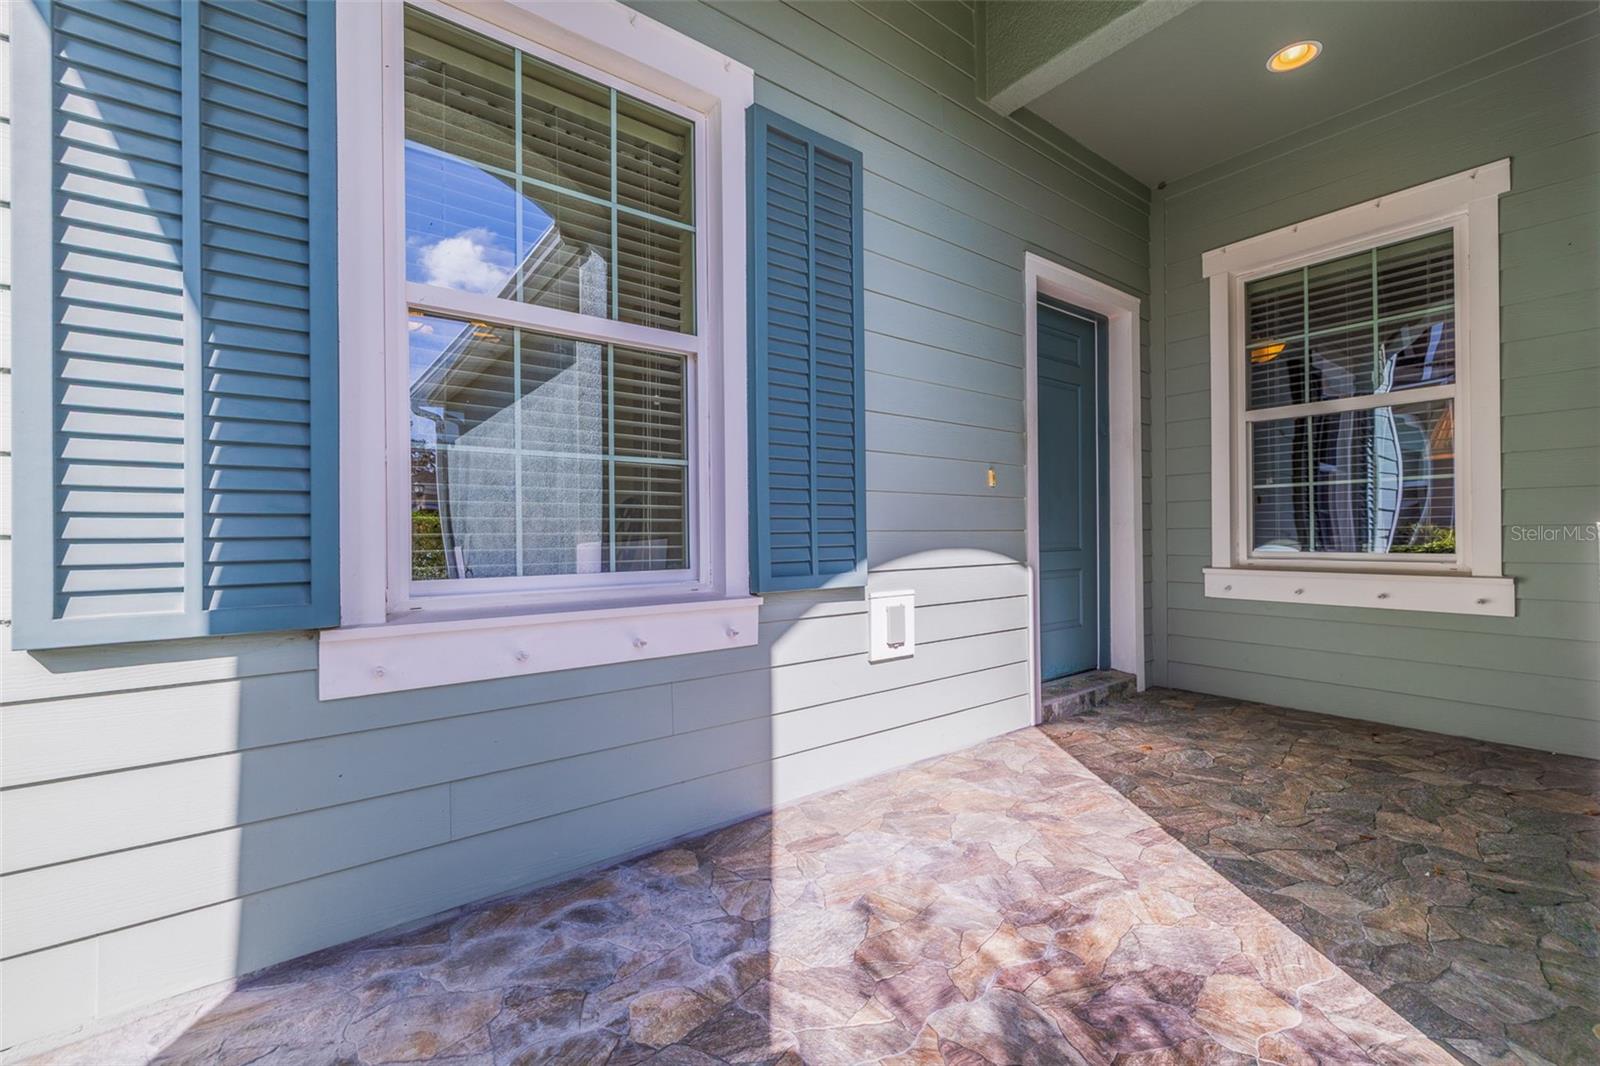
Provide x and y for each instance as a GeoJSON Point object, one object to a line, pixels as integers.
{"type": "Point", "coordinates": [1445, 593]}
{"type": "Point", "coordinates": [365, 660]}
{"type": "Point", "coordinates": [1469, 582]}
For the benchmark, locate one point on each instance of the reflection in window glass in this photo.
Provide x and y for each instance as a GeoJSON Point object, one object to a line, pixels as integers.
{"type": "Point", "coordinates": [1375, 322]}
{"type": "Point", "coordinates": [1369, 476]}
{"type": "Point", "coordinates": [1374, 481]}
{"type": "Point", "coordinates": [565, 262]}
{"type": "Point", "coordinates": [540, 455]}
{"type": "Point", "coordinates": [535, 454]}
{"type": "Point", "coordinates": [580, 199]}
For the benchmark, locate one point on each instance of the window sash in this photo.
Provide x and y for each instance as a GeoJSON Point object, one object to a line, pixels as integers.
{"type": "Point", "coordinates": [408, 593]}
{"type": "Point", "coordinates": [623, 121]}
{"type": "Point", "coordinates": [1294, 558]}
{"type": "Point", "coordinates": [1351, 403]}
{"type": "Point", "coordinates": [435, 299]}
{"type": "Point", "coordinates": [1243, 418]}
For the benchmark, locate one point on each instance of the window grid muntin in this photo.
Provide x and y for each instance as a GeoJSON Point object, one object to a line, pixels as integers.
{"type": "Point", "coordinates": [1249, 417]}
{"type": "Point", "coordinates": [687, 345]}
{"type": "Point", "coordinates": [1380, 321]}
{"type": "Point", "coordinates": [610, 458]}
{"type": "Point", "coordinates": [1311, 485]}
{"type": "Point", "coordinates": [689, 308]}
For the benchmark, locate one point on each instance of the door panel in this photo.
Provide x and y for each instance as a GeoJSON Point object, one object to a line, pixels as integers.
{"type": "Point", "coordinates": [1071, 479]}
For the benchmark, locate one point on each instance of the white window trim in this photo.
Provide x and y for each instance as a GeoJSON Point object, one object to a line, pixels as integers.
{"type": "Point", "coordinates": [1470, 582]}
{"type": "Point", "coordinates": [388, 641]}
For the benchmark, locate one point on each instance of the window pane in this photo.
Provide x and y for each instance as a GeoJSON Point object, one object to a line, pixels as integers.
{"type": "Point", "coordinates": [566, 129]}
{"type": "Point", "coordinates": [561, 419]}
{"type": "Point", "coordinates": [1339, 292]}
{"type": "Point", "coordinates": [514, 435]}
{"type": "Point", "coordinates": [655, 160]}
{"type": "Point", "coordinates": [1277, 375]}
{"type": "Point", "coordinates": [650, 517]}
{"type": "Point", "coordinates": [1278, 465]}
{"type": "Point", "coordinates": [566, 253]}
{"type": "Point", "coordinates": [461, 203]}
{"type": "Point", "coordinates": [1417, 274]}
{"type": "Point", "coordinates": [1419, 352]}
{"type": "Point", "coordinates": [648, 403]}
{"type": "Point", "coordinates": [459, 92]}
{"type": "Point", "coordinates": [1375, 481]}
{"type": "Point", "coordinates": [461, 223]}
{"type": "Point", "coordinates": [655, 274]}
{"type": "Point", "coordinates": [1342, 364]}
{"type": "Point", "coordinates": [463, 463]}
{"type": "Point", "coordinates": [1275, 307]}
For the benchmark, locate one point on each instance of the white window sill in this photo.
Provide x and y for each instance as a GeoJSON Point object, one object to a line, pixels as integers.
{"type": "Point", "coordinates": [424, 650]}
{"type": "Point", "coordinates": [1443, 593]}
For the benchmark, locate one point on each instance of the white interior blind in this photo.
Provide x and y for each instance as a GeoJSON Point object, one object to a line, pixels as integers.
{"type": "Point", "coordinates": [1350, 399]}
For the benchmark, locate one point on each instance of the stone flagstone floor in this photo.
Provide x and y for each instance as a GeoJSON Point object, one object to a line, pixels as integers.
{"type": "Point", "coordinates": [1004, 904]}
{"type": "Point", "coordinates": [1455, 879]}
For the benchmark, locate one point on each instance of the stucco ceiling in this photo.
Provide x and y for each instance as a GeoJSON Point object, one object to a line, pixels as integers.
{"type": "Point", "coordinates": [1195, 90]}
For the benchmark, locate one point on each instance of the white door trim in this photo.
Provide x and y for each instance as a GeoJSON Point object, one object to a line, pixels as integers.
{"type": "Point", "coordinates": [1125, 471]}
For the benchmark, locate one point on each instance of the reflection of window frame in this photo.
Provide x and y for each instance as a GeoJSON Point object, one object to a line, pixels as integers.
{"type": "Point", "coordinates": [1468, 581]}
{"type": "Point", "coordinates": [560, 621]}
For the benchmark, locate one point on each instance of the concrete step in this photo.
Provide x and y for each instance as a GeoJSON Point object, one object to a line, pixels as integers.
{"type": "Point", "coordinates": [1068, 696]}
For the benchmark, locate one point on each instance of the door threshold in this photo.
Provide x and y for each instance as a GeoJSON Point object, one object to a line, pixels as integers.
{"type": "Point", "coordinates": [1076, 693]}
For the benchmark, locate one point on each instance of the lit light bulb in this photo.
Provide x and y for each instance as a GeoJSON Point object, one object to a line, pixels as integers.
{"type": "Point", "coordinates": [1294, 56]}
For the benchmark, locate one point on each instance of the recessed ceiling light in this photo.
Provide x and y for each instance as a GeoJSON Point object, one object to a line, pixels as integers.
{"type": "Point", "coordinates": [1294, 56]}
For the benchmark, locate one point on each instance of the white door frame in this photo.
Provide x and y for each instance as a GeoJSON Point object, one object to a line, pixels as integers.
{"type": "Point", "coordinates": [1125, 470]}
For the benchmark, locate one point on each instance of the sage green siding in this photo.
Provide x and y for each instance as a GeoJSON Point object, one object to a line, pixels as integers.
{"type": "Point", "coordinates": [178, 813]}
{"type": "Point", "coordinates": [1533, 679]}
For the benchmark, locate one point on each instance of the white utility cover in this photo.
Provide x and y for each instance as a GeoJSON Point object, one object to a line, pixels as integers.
{"type": "Point", "coordinates": [891, 625]}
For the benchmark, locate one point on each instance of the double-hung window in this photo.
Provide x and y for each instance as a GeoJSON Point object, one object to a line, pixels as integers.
{"type": "Point", "coordinates": [552, 339]}
{"type": "Point", "coordinates": [542, 343]}
{"type": "Point", "coordinates": [1355, 377]}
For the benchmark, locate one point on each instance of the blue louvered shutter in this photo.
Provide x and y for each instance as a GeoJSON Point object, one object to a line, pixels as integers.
{"type": "Point", "coordinates": [808, 503]}
{"type": "Point", "coordinates": [175, 364]}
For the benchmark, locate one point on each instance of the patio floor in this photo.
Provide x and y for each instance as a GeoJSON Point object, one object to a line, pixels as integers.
{"type": "Point", "coordinates": [1455, 879]}
{"type": "Point", "coordinates": [1006, 904]}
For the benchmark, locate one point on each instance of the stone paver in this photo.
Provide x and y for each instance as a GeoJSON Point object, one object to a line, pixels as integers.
{"type": "Point", "coordinates": [1456, 880]}
{"type": "Point", "coordinates": [1005, 904]}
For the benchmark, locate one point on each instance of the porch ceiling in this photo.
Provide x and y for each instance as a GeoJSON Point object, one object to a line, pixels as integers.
{"type": "Point", "coordinates": [1193, 90]}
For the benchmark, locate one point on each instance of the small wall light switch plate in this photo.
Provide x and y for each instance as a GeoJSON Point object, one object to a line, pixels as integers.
{"type": "Point", "coordinates": [891, 625]}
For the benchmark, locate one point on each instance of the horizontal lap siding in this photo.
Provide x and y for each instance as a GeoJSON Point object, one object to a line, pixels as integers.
{"type": "Point", "coordinates": [178, 813]}
{"type": "Point", "coordinates": [1533, 679]}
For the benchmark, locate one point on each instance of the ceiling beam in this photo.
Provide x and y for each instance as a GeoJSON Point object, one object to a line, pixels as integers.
{"type": "Point", "coordinates": [1026, 48]}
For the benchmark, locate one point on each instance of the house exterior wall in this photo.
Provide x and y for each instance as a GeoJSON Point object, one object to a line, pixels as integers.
{"type": "Point", "coordinates": [177, 813]}
{"type": "Point", "coordinates": [1533, 679]}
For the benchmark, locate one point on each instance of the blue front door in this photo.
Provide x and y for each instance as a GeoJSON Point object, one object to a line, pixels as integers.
{"type": "Point", "coordinates": [1073, 634]}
